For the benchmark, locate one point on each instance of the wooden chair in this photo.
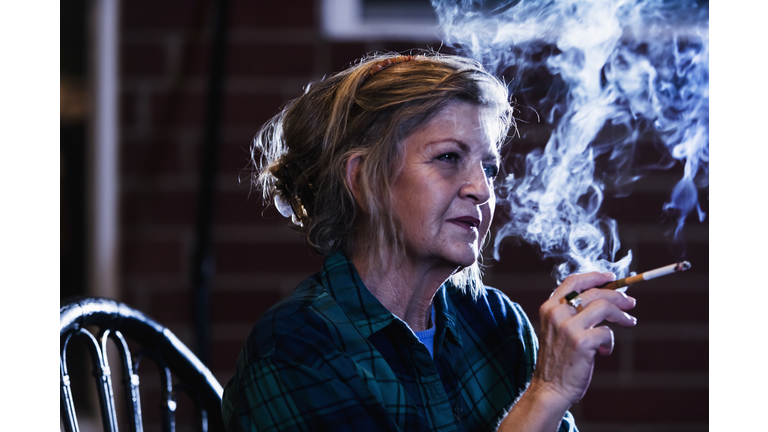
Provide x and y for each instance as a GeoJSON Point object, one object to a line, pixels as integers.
{"type": "Point", "coordinates": [117, 321]}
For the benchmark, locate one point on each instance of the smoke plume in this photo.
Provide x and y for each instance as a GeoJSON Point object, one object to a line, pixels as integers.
{"type": "Point", "coordinates": [619, 70]}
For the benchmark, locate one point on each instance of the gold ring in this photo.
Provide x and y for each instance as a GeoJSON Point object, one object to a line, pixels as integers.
{"type": "Point", "coordinates": [573, 299]}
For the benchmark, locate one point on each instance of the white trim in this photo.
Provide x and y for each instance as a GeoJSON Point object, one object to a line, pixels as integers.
{"type": "Point", "coordinates": [343, 20]}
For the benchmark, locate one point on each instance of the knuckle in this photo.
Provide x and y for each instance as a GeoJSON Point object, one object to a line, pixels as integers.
{"type": "Point", "coordinates": [544, 309]}
{"type": "Point", "coordinates": [572, 330]}
{"type": "Point", "coordinates": [600, 304]}
{"type": "Point", "coordinates": [583, 343]}
{"type": "Point", "coordinates": [549, 306]}
{"type": "Point", "coordinates": [548, 313]}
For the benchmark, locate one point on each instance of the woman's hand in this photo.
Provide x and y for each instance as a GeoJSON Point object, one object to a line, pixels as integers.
{"type": "Point", "coordinates": [569, 338]}
{"type": "Point", "coordinates": [567, 347]}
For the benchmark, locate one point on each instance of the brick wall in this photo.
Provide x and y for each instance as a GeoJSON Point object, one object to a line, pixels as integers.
{"type": "Point", "coordinates": [655, 380]}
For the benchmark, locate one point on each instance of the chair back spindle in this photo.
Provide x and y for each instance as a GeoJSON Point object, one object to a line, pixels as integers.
{"type": "Point", "coordinates": [119, 323]}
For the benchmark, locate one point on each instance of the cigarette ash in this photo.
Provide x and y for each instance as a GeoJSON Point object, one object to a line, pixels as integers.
{"type": "Point", "coordinates": [618, 70]}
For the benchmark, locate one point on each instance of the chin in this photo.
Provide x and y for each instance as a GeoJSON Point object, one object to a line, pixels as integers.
{"type": "Point", "coordinates": [464, 258]}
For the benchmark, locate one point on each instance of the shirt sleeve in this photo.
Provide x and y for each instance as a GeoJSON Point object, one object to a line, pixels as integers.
{"type": "Point", "coordinates": [531, 344]}
{"type": "Point", "coordinates": [276, 395]}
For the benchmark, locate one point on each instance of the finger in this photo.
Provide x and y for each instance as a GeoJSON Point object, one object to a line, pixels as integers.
{"type": "Point", "coordinates": [603, 338]}
{"type": "Point", "coordinates": [582, 282]}
{"type": "Point", "coordinates": [621, 300]}
{"type": "Point", "coordinates": [598, 339]}
{"type": "Point", "coordinates": [557, 314]}
{"type": "Point", "coordinates": [602, 310]}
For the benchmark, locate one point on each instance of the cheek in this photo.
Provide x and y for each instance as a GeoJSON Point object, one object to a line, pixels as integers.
{"type": "Point", "coordinates": [489, 210]}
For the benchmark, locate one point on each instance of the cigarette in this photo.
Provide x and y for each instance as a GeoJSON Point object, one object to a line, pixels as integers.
{"type": "Point", "coordinates": [652, 274]}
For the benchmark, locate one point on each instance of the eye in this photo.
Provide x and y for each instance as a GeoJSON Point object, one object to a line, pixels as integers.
{"type": "Point", "coordinates": [449, 157]}
{"type": "Point", "coordinates": [491, 171]}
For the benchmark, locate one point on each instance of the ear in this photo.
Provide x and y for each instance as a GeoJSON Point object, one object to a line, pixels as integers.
{"type": "Point", "coordinates": [354, 165]}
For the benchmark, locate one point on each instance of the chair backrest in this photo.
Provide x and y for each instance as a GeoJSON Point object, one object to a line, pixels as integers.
{"type": "Point", "coordinates": [118, 321]}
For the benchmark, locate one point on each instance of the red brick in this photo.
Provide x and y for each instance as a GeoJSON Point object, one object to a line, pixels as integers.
{"type": "Point", "coordinates": [177, 109]}
{"type": "Point", "coordinates": [242, 306]}
{"type": "Point", "coordinates": [645, 406]}
{"type": "Point", "coordinates": [149, 158]}
{"type": "Point", "coordinates": [195, 58]}
{"type": "Point", "coordinates": [273, 14]}
{"type": "Point", "coordinates": [344, 54]}
{"type": "Point", "coordinates": [532, 135]}
{"type": "Point", "coordinates": [672, 356]}
{"type": "Point", "coordinates": [670, 307]}
{"type": "Point", "coordinates": [167, 14]}
{"type": "Point", "coordinates": [160, 207]}
{"type": "Point", "coordinates": [174, 207]}
{"type": "Point", "coordinates": [127, 109]}
{"type": "Point", "coordinates": [295, 258]}
{"type": "Point", "coordinates": [654, 255]}
{"type": "Point", "coordinates": [130, 209]}
{"type": "Point", "coordinates": [241, 208]}
{"type": "Point", "coordinates": [224, 356]}
{"type": "Point", "coordinates": [151, 257]}
{"type": "Point", "coordinates": [236, 160]}
{"type": "Point", "coordinates": [142, 60]}
{"type": "Point", "coordinates": [404, 47]}
{"type": "Point", "coordinates": [609, 363]}
{"type": "Point", "coordinates": [516, 256]}
{"type": "Point", "coordinates": [270, 60]}
{"type": "Point", "coordinates": [251, 110]}
{"type": "Point", "coordinates": [172, 307]}
{"type": "Point", "coordinates": [639, 207]}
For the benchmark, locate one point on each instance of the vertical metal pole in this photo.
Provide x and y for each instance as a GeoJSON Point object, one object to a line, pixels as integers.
{"type": "Point", "coordinates": [104, 170]}
{"type": "Point", "coordinates": [203, 266]}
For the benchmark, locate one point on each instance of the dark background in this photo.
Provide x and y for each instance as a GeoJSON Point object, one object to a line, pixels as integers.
{"type": "Point", "coordinates": [657, 377]}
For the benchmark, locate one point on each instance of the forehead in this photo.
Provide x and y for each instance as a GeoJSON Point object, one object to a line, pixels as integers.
{"type": "Point", "coordinates": [473, 125]}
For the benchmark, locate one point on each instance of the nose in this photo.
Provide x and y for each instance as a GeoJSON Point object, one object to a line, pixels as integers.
{"type": "Point", "coordinates": [477, 186]}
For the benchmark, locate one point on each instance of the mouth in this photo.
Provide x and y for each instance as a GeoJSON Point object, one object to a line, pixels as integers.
{"type": "Point", "coordinates": [467, 222]}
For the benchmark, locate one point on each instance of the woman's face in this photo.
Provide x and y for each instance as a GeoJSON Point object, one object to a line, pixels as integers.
{"type": "Point", "coordinates": [443, 194]}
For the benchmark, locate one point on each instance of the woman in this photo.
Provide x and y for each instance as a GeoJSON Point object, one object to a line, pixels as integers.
{"type": "Point", "coordinates": [388, 168]}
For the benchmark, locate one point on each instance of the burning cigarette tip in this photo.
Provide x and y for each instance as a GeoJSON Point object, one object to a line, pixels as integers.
{"type": "Point", "coordinates": [682, 266]}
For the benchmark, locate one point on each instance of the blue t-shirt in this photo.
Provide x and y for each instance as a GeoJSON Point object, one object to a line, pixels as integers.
{"type": "Point", "coordinates": [427, 337]}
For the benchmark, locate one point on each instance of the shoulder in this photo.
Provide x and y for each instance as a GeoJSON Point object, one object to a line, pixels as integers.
{"type": "Point", "coordinates": [493, 311]}
{"type": "Point", "coordinates": [290, 324]}
{"type": "Point", "coordinates": [491, 303]}
{"type": "Point", "coordinates": [501, 304]}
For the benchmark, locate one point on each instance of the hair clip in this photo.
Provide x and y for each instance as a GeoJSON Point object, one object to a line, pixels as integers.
{"type": "Point", "coordinates": [286, 209]}
{"type": "Point", "coordinates": [297, 220]}
{"type": "Point", "coordinates": [383, 64]}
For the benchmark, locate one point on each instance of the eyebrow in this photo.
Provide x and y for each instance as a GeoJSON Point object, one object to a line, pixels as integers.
{"type": "Point", "coordinates": [465, 148]}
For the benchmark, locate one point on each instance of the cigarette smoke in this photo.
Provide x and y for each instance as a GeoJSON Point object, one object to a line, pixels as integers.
{"type": "Point", "coordinates": [620, 70]}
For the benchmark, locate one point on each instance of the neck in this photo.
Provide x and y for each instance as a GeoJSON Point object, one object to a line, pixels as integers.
{"type": "Point", "coordinates": [405, 288]}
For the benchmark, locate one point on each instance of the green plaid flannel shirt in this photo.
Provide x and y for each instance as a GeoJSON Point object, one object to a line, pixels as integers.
{"type": "Point", "coordinates": [330, 357]}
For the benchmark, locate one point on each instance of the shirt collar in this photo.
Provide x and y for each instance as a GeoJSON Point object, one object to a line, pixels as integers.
{"type": "Point", "coordinates": [341, 280]}
{"type": "Point", "coordinates": [445, 312]}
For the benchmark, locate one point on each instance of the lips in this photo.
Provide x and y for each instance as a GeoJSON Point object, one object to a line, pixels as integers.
{"type": "Point", "coordinates": [468, 222]}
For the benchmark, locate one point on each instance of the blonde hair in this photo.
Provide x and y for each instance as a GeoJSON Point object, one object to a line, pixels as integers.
{"type": "Point", "coordinates": [367, 110]}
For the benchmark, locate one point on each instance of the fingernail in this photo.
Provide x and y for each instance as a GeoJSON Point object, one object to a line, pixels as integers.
{"type": "Point", "coordinates": [612, 275]}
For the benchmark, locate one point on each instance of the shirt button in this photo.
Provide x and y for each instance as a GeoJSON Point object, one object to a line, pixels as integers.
{"type": "Point", "coordinates": [457, 412]}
